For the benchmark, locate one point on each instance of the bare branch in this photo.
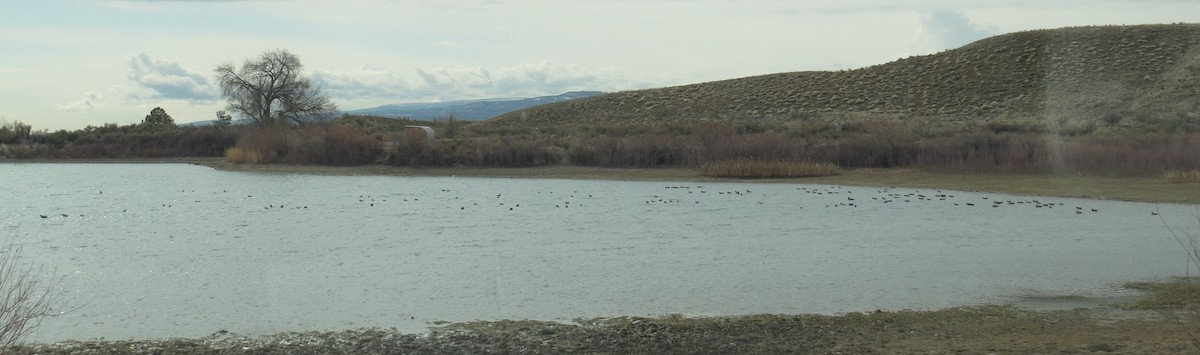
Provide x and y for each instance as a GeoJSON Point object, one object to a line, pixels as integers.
{"type": "Point", "coordinates": [25, 297]}
{"type": "Point", "coordinates": [270, 90]}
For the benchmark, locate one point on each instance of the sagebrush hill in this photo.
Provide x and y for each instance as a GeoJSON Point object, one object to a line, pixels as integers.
{"type": "Point", "coordinates": [1119, 77]}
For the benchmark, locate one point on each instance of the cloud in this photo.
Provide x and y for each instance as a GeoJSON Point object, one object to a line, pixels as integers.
{"type": "Point", "coordinates": [87, 103]}
{"type": "Point", "coordinates": [461, 82]}
{"type": "Point", "coordinates": [940, 30]}
{"type": "Point", "coordinates": [169, 80]}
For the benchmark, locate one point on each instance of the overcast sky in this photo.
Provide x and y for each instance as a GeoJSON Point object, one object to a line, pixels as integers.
{"type": "Point", "coordinates": [70, 64]}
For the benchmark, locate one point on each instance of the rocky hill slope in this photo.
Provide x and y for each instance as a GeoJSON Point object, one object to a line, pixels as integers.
{"type": "Point", "coordinates": [1117, 76]}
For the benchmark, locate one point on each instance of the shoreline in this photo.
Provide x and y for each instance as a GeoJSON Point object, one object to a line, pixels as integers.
{"type": "Point", "coordinates": [1128, 189]}
{"type": "Point", "coordinates": [992, 329]}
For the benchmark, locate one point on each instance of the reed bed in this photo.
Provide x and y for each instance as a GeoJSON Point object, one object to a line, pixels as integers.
{"type": "Point", "coordinates": [241, 156]}
{"type": "Point", "coordinates": [1179, 176]}
{"type": "Point", "coordinates": [748, 169]}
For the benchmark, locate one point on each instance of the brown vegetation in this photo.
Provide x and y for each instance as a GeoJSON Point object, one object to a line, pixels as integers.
{"type": "Point", "coordinates": [114, 141]}
{"type": "Point", "coordinates": [1178, 177]}
{"type": "Point", "coordinates": [968, 330]}
{"type": "Point", "coordinates": [26, 297]}
{"type": "Point", "coordinates": [1068, 81]}
{"type": "Point", "coordinates": [1114, 100]}
{"type": "Point", "coordinates": [747, 168]}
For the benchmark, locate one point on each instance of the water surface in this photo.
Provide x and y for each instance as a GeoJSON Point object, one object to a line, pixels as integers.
{"type": "Point", "coordinates": [173, 250]}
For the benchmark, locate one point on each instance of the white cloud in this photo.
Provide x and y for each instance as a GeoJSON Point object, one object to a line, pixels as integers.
{"type": "Point", "coordinates": [459, 82]}
{"type": "Point", "coordinates": [169, 80]}
{"type": "Point", "coordinates": [89, 101]}
{"type": "Point", "coordinates": [940, 30]}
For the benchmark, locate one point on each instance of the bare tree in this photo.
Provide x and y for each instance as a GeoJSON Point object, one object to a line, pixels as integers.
{"type": "Point", "coordinates": [25, 298]}
{"type": "Point", "coordinates": [223, 119]}
{"type": "Point", "coordinates": [271, 91]}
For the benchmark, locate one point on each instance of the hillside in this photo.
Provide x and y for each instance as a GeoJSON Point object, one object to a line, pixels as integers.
{"type": "Point", "coordinates": [1117, 76]}
{"type": "Point", "coordinates": [470, 110]}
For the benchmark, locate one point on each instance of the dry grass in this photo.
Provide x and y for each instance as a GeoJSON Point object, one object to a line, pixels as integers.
{"type": "Point", "coordinates": [1009, 78]}
{"type": "Point", "coordinates": [1179, 177]}
{"type": "Point", "coordinates": [240, 156]}
{"type": "Point", "coordinates": [746, 168]}
{"type": "Point", "coordinates": [1177, 293]}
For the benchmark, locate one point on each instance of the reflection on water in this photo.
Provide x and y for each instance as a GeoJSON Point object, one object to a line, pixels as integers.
{"type": "Point", "coordinates": [151, 251]}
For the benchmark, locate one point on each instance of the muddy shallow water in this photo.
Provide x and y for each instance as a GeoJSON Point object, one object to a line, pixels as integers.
{"type": "Point", "coordinates": [162, 250]}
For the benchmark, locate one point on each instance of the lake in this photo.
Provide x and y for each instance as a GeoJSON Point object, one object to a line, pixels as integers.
{"type": "Point", "coordinates": [175, 250]}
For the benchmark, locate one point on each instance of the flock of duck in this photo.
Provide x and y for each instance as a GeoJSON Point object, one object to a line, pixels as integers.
{"type": "Point", "coordinates": [830, 196]}
{"type": "Point", "coordinates": [842, 196]}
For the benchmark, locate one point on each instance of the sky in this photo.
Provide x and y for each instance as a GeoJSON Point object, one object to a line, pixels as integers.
{"type": "Point", "coordinates": [71, 64]}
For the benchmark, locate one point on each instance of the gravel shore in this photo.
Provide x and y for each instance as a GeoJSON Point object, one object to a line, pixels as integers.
{"type": "Point", "coordinates": [988, 329]}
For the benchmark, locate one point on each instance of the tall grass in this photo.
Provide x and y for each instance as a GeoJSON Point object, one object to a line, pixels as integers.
{"type": "Point", "coordinates": [750, 168]}
{"type": "Point", "coordinates": [1179, 177]}
{"type": "Point", "coordinates": [239, 156]}
{"type": "Point", "coordinates": [267, 144]}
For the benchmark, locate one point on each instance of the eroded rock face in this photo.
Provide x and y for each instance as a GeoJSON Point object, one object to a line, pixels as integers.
{"type": "Point", "coordinates": [1058, 77]}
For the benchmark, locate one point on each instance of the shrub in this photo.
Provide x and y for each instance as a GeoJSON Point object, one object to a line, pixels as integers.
{"type": "Point", "coordinates": [239, 156]}
{"type": "Point", "coordinates": [269, 144]}
{"type": "Point", "coordinates": [985, 152]}
{"type": "Point", "coordinates": [502, 152]}
{"type": "Point", "coordinates": [24, 298]}
{"type": "Point", "coordinates": [636, 152]}
{"type": "Point", "coordinates": [749, 168]}
{"type": "Point", "coordinates": [1179, 177]}
{"type": "Point", "coordinates": [332, 145]}
{"type": "Point", "coordinates": [1013, 126]}
{"type": "Point", "coordinates": [413, 148]}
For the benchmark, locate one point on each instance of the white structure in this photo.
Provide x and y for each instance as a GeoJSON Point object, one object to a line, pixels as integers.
{"type": "Point", "coordinates": [428, 130]}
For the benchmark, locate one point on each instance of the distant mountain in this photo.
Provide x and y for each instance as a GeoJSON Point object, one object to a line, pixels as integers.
{"type": "Point", "coordinates": [469, 110]}
{"type": "Point", "coordinates": [237, 122]}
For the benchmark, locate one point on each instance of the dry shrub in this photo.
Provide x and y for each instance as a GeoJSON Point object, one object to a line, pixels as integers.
{"type": "Point", "coordinates": [24, 151]}
{"type": "Point", "coordinates": [414, 148]}
{"type": "Point", "coordinates": [750, 168]}
{"type": "Point", "coordinates": [239, 156]}
{"type": "Point", "coordinates": [1149, 155]}
{"type": "Point", "coordinates": [333, 145]}
{"type": "Point", "coordinates": [637, 151]}
{"type": "Point", "coordinates": [1179, 177]}
{"type": "Point", "coordinates": [986, 152]}
{"type": "Point", "coordinates": [877, 143]}
{"type": "Point", "coordinates": [501, 152]}
{"type": "Point", "coordinates": [25, 298]}
{"type": "Point", "coordinates": [205, 141]}
{"type": "Point", "coordinates": [1014, 126]}
{"type": "Point", "coordinates": [268, 143]}
{"type": "Point", "coordinates": [761, 146]}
